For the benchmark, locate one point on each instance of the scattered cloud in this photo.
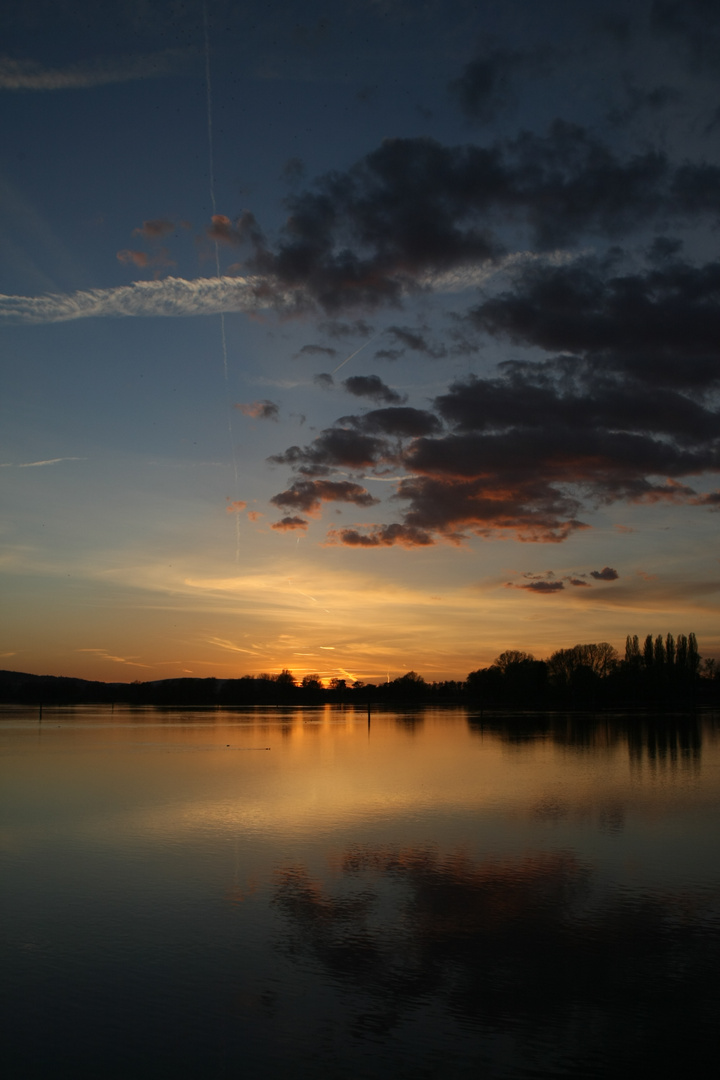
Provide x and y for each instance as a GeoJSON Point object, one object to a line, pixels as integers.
{"type": "Point", "coordinates": [547, 582]}
{"type": "Point", "coordinates": [287, 524]}
{"type": "Point", "coordinates": [309, 495]}
{"type": "Point", "coordinates": [546, 588]}
{"type": "Point", "coordinates": [485, 88]}
{"type": "Point", "coordinates": [606, 574]}
{"type": "Point", "coordinates": [414, 340]}
{"type": "Point", "coordinates": [260, 410]}
{"type": "Point", "coordinates": [372, 387]}
{"type": "Point", "coordinates": [236, 506]}
{"type": "Point", "coordinates": [338, 329]}
{"type": "Point", "coordinates": [244, 230]}
{"type": "Point", "coordinates": [154, 229]}
{"type": "Point", "coordinates": [526, 451]}
{"type": "Point", "coordinates": [381, 536]}
{"type": "Point", "coordinates": [317, 350]}
{"type": "Point", "coordinates": [142, 260]}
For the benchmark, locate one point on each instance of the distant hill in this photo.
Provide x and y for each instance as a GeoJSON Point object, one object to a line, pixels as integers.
{"type": "Point", "coordinates": [20, 687]}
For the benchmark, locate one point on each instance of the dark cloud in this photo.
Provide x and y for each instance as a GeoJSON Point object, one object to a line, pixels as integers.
{"type": "Point", "coordinates": [293, 171]}
{"type": "Point", "coordinates": [636, 100]}
{"type": "Point", "coordinates": [485, 87]}
{"type": "Point", "coordinates": [663, 249]}
{"type": "Point", "coordinates": [612, 391]}
{"type": "Point", "coordinates": [336, 448]}
{"type": "Point", "coordinates": [527, 451]}
{"type": "Point", "coordinates": [389, 354]}
{"type": "Point", "coordinates": [335, 329]}
{"type": "Point", "coordinates": [544, 587]}
{"type": "Point", "coordinates": [416, 341]}
{"type": "Point", "coordinates": [259, 410]}
{"type": "Point", "coordinates": [287, 524]}
{"type": "Point", "coordinates": [324, 380]}
{"type": "Point", "coordinates": [400, 422]}
{"type": "Point", "coordinates": [661, 325]}
{"type": "Point", "coordinates": [372, 387]}
{"type": "Point", "coordinates": [382, 536]}
{"type": "Point", "coordinates": [317, 350]}
{"type": "Point", "coordinates": [606, 574]}
{"type": "Point", "coordinates": [693, 23]}
{"type": "Point", "coordinates": [578, 582]}
{"type": "Point", "coordinates": [414, 207]}
{"type": "Point", "coordinates": [309, 495]}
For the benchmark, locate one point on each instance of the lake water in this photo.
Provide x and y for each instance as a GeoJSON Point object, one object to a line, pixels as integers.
{"type": "Point", "coordinates": [301, 893]}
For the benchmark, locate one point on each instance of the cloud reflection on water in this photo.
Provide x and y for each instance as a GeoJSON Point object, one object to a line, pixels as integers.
{"type": "Point", "coordinates": [531, 947]}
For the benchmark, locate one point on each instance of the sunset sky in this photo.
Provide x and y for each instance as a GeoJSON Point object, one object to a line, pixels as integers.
{"type": "Point", "coordinates": [356, 338]}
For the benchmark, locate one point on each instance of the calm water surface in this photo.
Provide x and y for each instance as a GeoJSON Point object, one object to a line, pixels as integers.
{"type": "Point", "coordinates": [299, 893]}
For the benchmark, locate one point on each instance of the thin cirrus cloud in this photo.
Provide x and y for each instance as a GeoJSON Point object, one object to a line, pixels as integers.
{"type": "Point", "coordinates": [36, 464]}
{"type": "Point", "coordinates": [31, 75]}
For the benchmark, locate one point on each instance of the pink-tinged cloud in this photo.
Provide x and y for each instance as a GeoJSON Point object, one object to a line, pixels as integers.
{"type": "Point", "coordinates": [381, 536]}
{"type": "Point", "coordinates": [235, 507]}
{"type": "Point", "coordinates": [139, 258]}
{"type": "Point", "coordinates": [32, 75]}
{"type": "Point", "coordinates": [645, 576]}
{"type": "Point", "coordinates": [606, 574]}
{"type": "Point", "coordinates": [259, 410]}
{"type": "Point", "coordinates": [142, 260]}
{"type": "Point", "coordinates": [287, 524]}
{"type": "Point", "coordinates": [153, 230]}
{"type": "Point", "coordinates": [225, 231]}
{"type": "Point", "coordinates": [254, 515]}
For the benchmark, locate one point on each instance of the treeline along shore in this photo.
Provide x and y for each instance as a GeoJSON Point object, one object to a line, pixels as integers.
{"type": "Point", "coordinates": [657, 672]}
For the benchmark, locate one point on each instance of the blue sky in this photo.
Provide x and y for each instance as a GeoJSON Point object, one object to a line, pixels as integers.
{"type": "Point", "coordinates": [390, 344]}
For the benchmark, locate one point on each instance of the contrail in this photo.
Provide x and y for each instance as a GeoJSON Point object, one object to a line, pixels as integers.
{"type": "Point", "coordinates": [363, 346]}
{"type": "Point", "coordinates": [213, 204]}
{"type": "Point", "coordinates": [208, 101]}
